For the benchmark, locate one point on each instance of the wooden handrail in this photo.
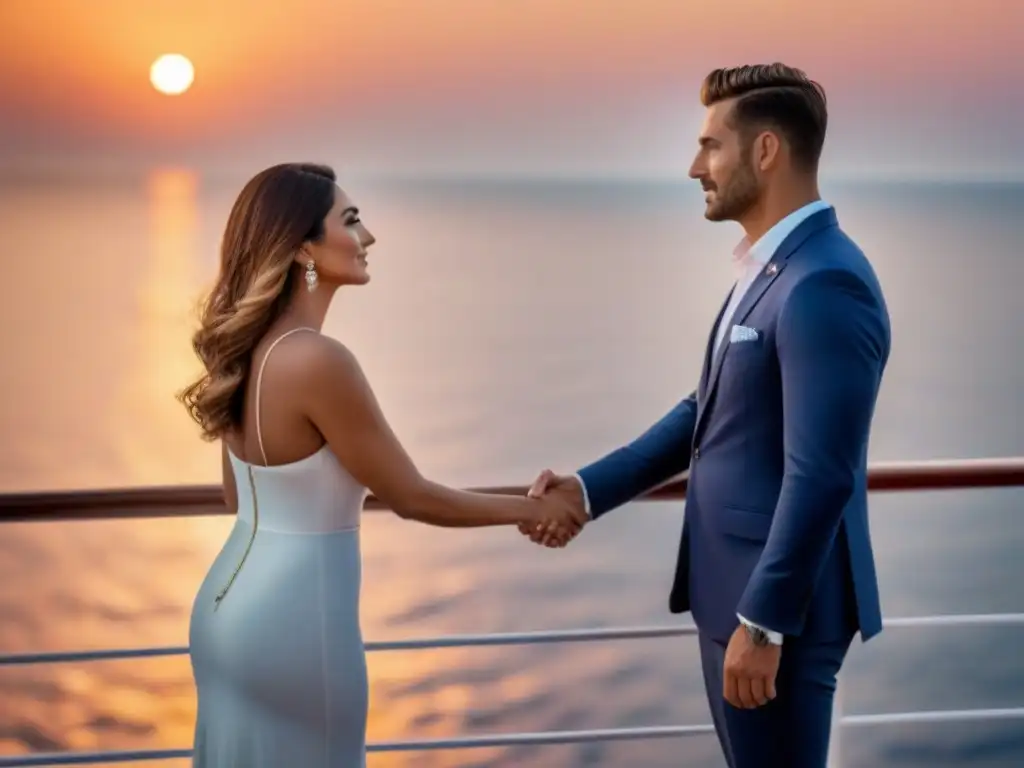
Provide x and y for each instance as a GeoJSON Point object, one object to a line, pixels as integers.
{"type": "Point", "coordinates": [196, 500]}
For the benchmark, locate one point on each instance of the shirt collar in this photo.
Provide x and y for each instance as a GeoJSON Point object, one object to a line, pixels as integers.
{"type": "Point", "coordinates": [761, 252]}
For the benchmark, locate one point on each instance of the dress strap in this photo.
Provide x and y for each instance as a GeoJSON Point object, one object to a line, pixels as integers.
{"type": "Point", "coordinates": [259, 383]}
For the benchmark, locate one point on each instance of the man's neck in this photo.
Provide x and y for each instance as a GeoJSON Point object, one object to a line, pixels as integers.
{"type": "Point", "coordinates": [772, 209]}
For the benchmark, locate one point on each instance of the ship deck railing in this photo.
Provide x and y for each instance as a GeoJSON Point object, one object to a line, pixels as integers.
{"type": "Point", "coordinates": [191, 501]}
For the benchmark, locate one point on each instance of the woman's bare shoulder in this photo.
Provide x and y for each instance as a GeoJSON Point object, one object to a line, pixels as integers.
{"type": "Point", "coordinates": [312, 361]}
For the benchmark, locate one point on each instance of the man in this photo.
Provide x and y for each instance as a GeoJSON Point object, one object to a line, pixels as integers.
{"type": "Point", "coordinates": [775, 561]}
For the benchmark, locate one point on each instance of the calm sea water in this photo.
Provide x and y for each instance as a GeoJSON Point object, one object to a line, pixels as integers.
{"type": "Point", "coordinates": [508, 327]}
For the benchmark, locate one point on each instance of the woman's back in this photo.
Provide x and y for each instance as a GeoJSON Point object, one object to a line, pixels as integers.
{"type": "Point", "coordinates": [275, 641]}
{"type": "Point", "coordinates": [312, 495]}
{"type": "Point", "coordinates": [298, 488]}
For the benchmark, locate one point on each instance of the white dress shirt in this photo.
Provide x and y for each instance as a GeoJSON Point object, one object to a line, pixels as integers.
{"type": "Point", "coordinates": [749, 258]}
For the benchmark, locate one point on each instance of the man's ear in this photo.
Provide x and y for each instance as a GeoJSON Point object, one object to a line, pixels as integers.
{"type": "Point", "coordinates": [767, 150]}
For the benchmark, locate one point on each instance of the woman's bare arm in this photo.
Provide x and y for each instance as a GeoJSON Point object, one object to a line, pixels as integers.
{"type": "Point", "coordinates": [341, 404]}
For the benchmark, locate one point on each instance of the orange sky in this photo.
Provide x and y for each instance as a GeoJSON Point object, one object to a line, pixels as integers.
{"type": "Point", "coordinates": [386, 74]}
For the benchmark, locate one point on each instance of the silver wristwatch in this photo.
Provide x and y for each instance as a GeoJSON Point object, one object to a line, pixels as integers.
{"type": "Point", "coordinates": [757, 636]}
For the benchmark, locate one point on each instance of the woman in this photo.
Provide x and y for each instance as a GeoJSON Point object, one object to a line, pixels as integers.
{"type": "Point", "coordinates": [276, 647]}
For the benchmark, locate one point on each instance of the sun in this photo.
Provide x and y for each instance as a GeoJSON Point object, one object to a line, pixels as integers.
{"type": "Point", "coordinates": [172, 74]}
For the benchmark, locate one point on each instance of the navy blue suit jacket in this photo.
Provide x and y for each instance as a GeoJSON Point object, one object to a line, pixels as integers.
{"type": "Point", "coordinates": [776, 440]}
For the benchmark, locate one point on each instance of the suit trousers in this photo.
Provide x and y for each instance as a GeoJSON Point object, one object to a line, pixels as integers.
{"type": "Point", "coordinates": [791, 731]}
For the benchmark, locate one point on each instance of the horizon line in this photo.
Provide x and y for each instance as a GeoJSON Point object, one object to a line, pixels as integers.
{"type": "Point", "coordinates": [100, 172]}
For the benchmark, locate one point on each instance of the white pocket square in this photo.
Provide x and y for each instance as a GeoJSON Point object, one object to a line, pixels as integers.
{"type": "Point", "coordinates": [741, 333]}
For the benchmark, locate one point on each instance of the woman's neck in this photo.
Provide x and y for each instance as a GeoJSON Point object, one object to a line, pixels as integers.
{"type": "Point", "coordinates": [309, 308]}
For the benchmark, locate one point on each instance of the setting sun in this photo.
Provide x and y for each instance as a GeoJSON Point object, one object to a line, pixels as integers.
{"type": "Point", "coordinates": [172, 74]}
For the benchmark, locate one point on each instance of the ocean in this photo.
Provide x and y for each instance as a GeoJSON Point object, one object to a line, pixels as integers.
{"type": "Point", "coordinates": [509, 326]}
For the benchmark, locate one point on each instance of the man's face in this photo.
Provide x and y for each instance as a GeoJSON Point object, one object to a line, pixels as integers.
{"type": "Point", "coordinates": [724, 167]}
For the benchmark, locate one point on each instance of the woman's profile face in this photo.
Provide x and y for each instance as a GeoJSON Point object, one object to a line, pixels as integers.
{"type": "Point", "coordinates": [340, 256]}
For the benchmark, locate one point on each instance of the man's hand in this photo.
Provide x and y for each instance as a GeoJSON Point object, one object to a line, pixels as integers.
{"type": "Point", "coordinates": [564, 490]}
{"type": "Point", "coordinates": [560, 521]}
{"type": "Point", "coordinates": [750, 671]}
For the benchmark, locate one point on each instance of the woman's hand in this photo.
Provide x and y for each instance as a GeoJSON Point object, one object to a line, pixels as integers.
{"type": "Point", "coordinates": [565, 493]}
{"type": "Point", "coordinates": [556, 520]}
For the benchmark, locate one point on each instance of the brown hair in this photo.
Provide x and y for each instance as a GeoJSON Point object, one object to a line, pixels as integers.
{"type": "Point", "coordinates": [277, 211]}
{"type": "Point", "coordinates": [774, 96]}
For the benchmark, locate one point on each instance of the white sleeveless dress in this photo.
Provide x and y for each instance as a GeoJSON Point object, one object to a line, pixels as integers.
{"type": "Point", "coordinates": [276, 648]}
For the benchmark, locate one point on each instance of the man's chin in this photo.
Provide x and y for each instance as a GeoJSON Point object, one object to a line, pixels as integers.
{"type": "Point", "coordinates": [714, 214]}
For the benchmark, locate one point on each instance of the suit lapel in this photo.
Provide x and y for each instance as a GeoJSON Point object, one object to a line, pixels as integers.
{"type": "Point", "coordinates": [768, 275]}
{"type": "Point", "coordinates": [761, 283]}
{"type": "Point", "coordinates": [708, 352]}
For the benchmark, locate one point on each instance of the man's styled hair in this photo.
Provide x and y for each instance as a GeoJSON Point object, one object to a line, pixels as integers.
{"type": "Point", "coordinates": [777, 97]}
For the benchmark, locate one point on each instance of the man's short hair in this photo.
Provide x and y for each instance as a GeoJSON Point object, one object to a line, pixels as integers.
{"type": "Point", "coordinates": [777, 97]}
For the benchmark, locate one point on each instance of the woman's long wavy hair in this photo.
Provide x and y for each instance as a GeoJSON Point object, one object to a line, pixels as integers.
{"type": "Point", "coordinates": [277, 211]}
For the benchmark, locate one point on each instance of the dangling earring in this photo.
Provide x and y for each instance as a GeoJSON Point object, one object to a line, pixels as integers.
{"type": "Point", "coordinates": [312, 279]}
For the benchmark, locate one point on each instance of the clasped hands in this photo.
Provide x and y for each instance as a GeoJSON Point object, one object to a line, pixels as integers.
{"type": "Point", "coordinates": [561, 510]}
